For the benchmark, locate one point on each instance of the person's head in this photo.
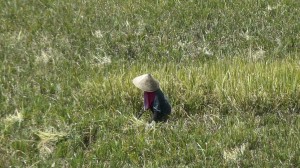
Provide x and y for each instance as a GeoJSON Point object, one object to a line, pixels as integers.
{"type": "Point", "coordinates": [146, 83]}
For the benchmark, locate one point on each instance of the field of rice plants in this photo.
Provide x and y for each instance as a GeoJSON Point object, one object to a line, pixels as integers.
{"type": "Point", "coordinates": [230, 68]}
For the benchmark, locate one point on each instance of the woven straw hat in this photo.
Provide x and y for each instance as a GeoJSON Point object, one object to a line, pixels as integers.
{"type": "Point", "coordinates": [146, 83]}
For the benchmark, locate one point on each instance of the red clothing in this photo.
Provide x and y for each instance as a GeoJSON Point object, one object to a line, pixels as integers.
{"type": "Point", "coordinates": [148, 99]}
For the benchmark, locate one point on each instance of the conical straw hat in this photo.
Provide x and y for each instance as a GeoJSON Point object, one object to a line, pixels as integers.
{"type": "Point", "coordinates": [146, 83]}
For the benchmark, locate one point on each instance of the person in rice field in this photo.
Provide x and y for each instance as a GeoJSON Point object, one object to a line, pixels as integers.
{"type": "Point", "coordinates": [154, 98]}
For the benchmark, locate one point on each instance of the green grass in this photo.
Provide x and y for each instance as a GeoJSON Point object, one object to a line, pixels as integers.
{"type": "Point", "coordinates": [231, 70]}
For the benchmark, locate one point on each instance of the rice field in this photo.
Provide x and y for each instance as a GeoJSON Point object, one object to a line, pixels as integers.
{"type": "Point", "coordinates": [230, 69]}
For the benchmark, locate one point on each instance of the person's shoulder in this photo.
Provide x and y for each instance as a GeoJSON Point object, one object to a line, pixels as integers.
{"type": "Point", "coordinates": [161, 96]}
{"type": "Point", "coordinates": [159, 92]}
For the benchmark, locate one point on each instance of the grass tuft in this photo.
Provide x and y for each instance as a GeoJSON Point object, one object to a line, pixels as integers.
{"type": "Point", "coordinates": [48, 141]}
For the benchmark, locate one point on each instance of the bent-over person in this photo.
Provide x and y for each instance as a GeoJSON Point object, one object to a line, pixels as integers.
{"type": "Point", "coordinates": [154, 98]}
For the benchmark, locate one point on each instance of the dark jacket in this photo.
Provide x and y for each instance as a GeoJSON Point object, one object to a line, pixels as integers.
{"type": "Point", "coordinates": [160, 104]}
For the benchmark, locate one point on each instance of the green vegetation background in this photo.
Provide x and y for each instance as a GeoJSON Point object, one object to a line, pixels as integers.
{"type": "Point", "coordinates": [230, 69]}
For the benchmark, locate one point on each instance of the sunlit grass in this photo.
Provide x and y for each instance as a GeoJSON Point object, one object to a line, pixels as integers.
{"type": "Point", "coordinates": [230, 70]}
